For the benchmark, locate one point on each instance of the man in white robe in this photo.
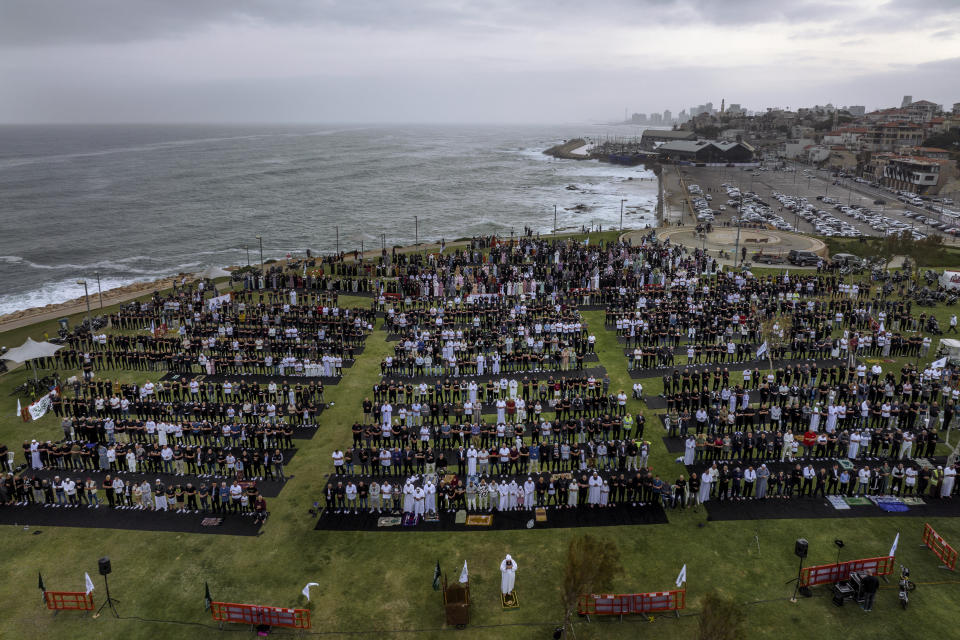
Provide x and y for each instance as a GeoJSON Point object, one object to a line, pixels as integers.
{"type": "Point", "coordinates": [513, 490]}
{"type": "Point", "coordinates": [593, 493]}
{"type": "Point", "coordinates": [508, 575]}
{"type": "Point", "coordinates": [419, 497]}
{"type": "Point", "coordinates": [689, 450]}
{"type": "Point", "coordinates": [430, 490]}
{"type": "Point", "coordinates": [472, 461]}
{"type": "Point", "coordinates": [408, 497]}
{"type": "Point", "coordinates": [949, 477]}
{"type": "Point", "coordinates": [503, 496]}
{"type": "Point", "coordinates": [528, 490]}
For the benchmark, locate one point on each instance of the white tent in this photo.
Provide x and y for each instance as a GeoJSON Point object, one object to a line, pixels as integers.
{"type": "Point", "coordinates": [213, 273]}
{"type": "Point", "coordinates": [30, 350]}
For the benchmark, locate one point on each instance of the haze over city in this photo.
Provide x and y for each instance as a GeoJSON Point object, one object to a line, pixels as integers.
{"type": "Point", "coordinates": [488, 61]}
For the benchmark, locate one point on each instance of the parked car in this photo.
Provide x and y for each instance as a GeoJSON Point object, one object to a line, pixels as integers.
{"type": "Point", "coordinates": [847, 259]}
{"type": "Point", "coordinates": [803, 258]}
{"type": "Point", "coordinates": [768, 258]}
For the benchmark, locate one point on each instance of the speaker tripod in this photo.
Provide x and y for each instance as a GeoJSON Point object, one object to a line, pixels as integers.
{"type": "Point", "coordinates": [109, 601]}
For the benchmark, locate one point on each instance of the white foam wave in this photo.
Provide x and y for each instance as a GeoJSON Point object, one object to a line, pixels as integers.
{"type": "Point", "coordinates": [111, 265]}
{"type": "Point", "coordinates": [58, 291]}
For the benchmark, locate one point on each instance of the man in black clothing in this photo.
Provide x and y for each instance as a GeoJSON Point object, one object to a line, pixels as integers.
{"type": "Point", "coordinates": [870, 586]}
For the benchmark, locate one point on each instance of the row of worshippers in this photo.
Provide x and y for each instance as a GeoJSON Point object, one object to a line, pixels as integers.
{"type": "Point", "coordinates": [746, 482]}
{"type": "Point", "coordinates": [531, 390]}
{"type": "Point", "coordinates": [263, 434]}
{"type": "Point", "coordinates": [787, 446]}
{"type": "Point", "coordinates": [204, 462]}
{"type": "Point", "coordinates": [423, 494]}
{"type": "Point", "coordinates": [116, 493]}
{"type": "Point", "coordinates": [107, 397]}
{"type": "Point", "coordinates": [618, 455]}
{"type": "Point", "coordinates": [486, 434]}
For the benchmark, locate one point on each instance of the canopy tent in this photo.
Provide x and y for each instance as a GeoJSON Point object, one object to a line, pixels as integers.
{"type": "Point", "coordinates": [30, 350]}
{"type": "Point", "coordinates": [213, 273]}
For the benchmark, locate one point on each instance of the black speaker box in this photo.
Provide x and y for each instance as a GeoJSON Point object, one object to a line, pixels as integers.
{"type": "Point", "coordinates": [801, 548]}
{"type": "Point", "coordinates": [104, 563]}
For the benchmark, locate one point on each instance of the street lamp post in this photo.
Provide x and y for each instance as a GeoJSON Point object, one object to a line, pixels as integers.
{"type": "Point", "coordinates": [337, 227]}
{"type": "Point", "coordinates": [100, 291]}
{"type": "Point", "coordinates": [416, 231]}
{"type": "Point", "coordinates": [260, 240]}
{"type": "Point", "coordinates": [86, 294]}
{"type": "Point", "coordinates": [622, 200]}
{"type": "Point", "coordinates": [554, 219]}
{"type": "Point", "coordinates": [247, 247]}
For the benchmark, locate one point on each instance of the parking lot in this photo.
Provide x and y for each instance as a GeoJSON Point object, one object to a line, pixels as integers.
{"type": "Point", "coordinates": [810, 201]}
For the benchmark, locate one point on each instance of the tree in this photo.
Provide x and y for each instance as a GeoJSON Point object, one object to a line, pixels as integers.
{"type": "Point", "coordinates": [591, 566]}
{"type": "Point", "coordinates": [720, 619]}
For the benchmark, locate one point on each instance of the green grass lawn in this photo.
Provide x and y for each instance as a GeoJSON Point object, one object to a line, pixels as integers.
{"type": "Point", "coordinates": [380, 583]}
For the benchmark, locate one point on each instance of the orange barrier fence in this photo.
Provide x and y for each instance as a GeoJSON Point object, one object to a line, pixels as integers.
{"type": "Point", "coordinates": [68, 600]}
{"type": "Point", "coordinates": [258, 615]}
{"type": "Point", "coordinates": [830, 573]}
{"type": "Point", "coordinates": [946, 553]}
{"type": "Point", "coordinates": [631, 603]}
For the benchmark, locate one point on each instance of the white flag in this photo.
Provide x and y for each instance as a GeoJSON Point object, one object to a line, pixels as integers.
{"type": "Point", "coordinates": [153, 328]}
{"type": "Point", "coordinates": [893, 549]}
{"type": "Point", "coordinates": [463, 574]}
{"type": "Point", "coordinates": [762, 349]}
{"type": "Point", "coordinates": [19, 409]}
{"type": "Point", "coordinates": [86, 577]}
{"type": "Point", "coordinates": [682, 577]}
{"type": "Point", "coordinates": [939, 364]}
{"type": "Point", "coordinates": [306, 589]}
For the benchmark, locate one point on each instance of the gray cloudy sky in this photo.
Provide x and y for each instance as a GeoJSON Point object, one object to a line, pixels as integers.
{"type": "Point", "coordinates": [462, 60]}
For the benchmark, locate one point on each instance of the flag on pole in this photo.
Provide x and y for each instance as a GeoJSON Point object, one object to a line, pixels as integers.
{"type": "Point", "coordinates": [436, 577]}
{"type": "Point", "coordinates": [89, 582]}
{"type": "Point", "coordinates": [207, 598]}
{"type": "Point", "coordinates": [896, 541]}
{"type": "Point", "coordinates": [306, 589]}
{"type": "Point", "coordinates": [463, 574]}
{"type": "Point", "coordinates": [43, 589]}
{"type": "Point", "coordinates": [762, 349]}
{"type": "Point", "coordinates": [153, 328]}
{"type": "Point", "coordinates": [939, 364]}
{"type": "Point", "coordinates": [19, 408]}
{"type": "Point", "coordinates": [682, 577]}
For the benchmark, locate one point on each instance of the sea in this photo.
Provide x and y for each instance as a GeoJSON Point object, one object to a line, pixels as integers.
{"type": "Point", "coordinates": [129, 203]}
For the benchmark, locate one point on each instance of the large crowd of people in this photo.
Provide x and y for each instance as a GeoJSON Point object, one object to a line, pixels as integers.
{"type": "Point", "coordinates": [487, 402]}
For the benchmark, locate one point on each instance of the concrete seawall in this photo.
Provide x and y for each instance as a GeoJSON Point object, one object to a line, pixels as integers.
{"type": "Point", "coordinates": [566, 150]}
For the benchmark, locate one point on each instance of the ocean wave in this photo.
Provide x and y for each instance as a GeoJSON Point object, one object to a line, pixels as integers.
{"type": "Point", "coordinates": [161, 146]}
{"type": "Point", "coordinates": [57, 291]}
{"type": "Point", "coordinates": [111, 265]}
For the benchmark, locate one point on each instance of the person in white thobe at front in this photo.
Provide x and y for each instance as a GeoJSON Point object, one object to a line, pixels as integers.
{"type": "Point", "coordinates": [513, 490]}
{"type": "Point", "coordinates": [528, 490]}
{"type": "Point", "coordinates": [430, 490]}
{"type": "Point", "coordinates": [409, 492]}
{"type": "Point", "coordinates": [472, 461]}
{"type": "Point", "coordinates": [504, 497]}
{"type": "Point", "coordinates": [689, 449]}
{"type": "Point", "coordinates": [508, 575]}
{"type": "Point", "coordinates": [593, 494]}
{"type": "Point", "coordinates": [419, 496]}
{"type": "Point", "coordinates": [949, 477]}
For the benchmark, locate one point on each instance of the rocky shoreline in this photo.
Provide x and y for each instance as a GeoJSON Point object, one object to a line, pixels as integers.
{"type": "Point", "coordinates": [78, 305]}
